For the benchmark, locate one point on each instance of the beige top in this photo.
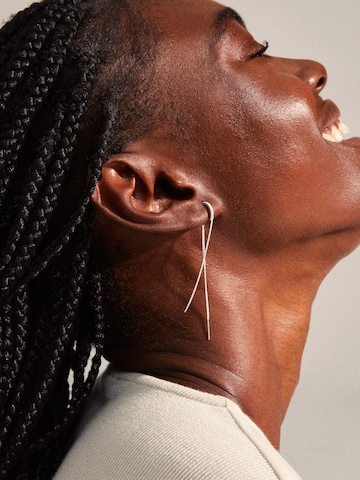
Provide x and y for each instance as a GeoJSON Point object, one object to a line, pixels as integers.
{"type": "Point", "coordinates": [140, 427]}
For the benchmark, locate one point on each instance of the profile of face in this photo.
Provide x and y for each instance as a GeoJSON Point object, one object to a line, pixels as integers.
{"type": "Point", "coordinates": [255, 126]}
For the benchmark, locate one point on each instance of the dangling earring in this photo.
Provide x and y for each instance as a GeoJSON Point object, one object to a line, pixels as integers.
{"type": "Point", "coordinates": [204, 248]}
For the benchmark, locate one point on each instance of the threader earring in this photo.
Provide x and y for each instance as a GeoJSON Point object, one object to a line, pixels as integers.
{"type": "Point", "coordinates": [204, 248]}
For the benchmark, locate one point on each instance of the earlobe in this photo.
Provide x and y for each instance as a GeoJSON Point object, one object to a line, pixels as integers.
{"type": "Point", "coordinates": [137, 193]}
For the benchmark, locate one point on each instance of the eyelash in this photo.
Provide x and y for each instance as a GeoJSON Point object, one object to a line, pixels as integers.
{"type": "Point", "coordinates": [262, 50]}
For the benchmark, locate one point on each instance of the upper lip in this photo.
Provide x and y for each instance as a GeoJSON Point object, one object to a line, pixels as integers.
{"type": "Point", "coordinates": [330, 116]}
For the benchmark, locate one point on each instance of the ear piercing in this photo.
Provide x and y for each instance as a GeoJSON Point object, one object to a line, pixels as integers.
{"type": "Point", "coordinates": [204, 248]}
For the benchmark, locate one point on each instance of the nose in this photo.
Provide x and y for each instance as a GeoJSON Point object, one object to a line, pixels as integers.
{"type": "Point", "coordinates": [312, 73]}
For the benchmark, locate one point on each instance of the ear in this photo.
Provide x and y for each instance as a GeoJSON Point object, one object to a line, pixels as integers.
{"type": "Point", "coordinates": [145, 194]}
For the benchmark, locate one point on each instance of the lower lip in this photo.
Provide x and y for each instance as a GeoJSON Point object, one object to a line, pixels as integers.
{"type": "Point", "coordinates": [351, 142]}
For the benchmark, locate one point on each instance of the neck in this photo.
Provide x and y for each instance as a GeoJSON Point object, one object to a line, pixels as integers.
{"type": "Point", "coordinates": [260, 310]}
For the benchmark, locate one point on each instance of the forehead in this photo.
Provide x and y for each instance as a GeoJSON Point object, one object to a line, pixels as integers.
{"type": "Point", "coordinates": [188, 17]}
{"type": "Point", "coordinates": [188, 75]}
{"type": "Point", "coordinates": [190, 31]}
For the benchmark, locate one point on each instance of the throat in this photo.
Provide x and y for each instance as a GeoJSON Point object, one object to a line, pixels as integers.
{"type": "Point", "coordinates": [260, 315]}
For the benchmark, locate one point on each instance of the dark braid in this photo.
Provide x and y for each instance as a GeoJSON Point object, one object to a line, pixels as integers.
{"type": "Point", "coordinates": [61, 117]}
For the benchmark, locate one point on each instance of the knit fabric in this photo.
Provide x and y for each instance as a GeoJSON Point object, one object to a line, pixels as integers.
{"type": "Point", "coordinates": [142, 428]}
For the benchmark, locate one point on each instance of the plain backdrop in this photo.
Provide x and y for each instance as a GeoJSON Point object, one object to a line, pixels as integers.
{"type": "Point", "coordinates": [321, 434]}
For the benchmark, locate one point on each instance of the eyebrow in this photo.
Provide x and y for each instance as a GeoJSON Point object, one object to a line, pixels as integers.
{"type": "Point", "coordinates": [222, 18]}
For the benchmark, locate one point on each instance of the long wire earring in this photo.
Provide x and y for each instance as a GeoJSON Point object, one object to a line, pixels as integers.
{"type": "Point", "coordinates": [204, 248]}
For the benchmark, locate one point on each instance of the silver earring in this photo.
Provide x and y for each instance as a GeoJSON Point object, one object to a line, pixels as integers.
{"type": "Point", "coordinates": [204, 249]}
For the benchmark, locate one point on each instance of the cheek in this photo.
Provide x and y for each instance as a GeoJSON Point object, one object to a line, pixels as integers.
{"type": "Point", "coordinates": [280, 180]}
{"type": "Point", "coordinates": [269, 140]}
{"type": "Point", "coordinates": [280, 187]}
{"type": "Point", "coordinates": [273, 205]}
{"type": "Point", "coordinates": [280, 124]}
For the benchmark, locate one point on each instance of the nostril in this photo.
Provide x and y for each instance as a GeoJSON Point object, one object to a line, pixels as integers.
{"type": "Point", "coordinates": [320, 83]}
{"type": "Point", "coordinates": [314, 74]}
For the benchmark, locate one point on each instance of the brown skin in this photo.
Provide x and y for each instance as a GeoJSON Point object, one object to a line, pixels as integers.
{"type": "Point", "coordinates": [287, 205]}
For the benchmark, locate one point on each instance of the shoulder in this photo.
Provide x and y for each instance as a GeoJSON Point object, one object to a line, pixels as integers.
{"type": "Point", "coordinates": [146, 428]}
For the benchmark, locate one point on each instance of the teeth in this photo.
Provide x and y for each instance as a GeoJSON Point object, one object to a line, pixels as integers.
{"type": "Point", "coordinates": [328, 137]}
{"type": "Point", "coordinates": [343, 128]}
{"type": "Point", "coordinates": [336, 132]}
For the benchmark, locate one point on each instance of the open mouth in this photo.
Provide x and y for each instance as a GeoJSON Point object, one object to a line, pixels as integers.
{"type": "Point", "coordinates": [335, 132]}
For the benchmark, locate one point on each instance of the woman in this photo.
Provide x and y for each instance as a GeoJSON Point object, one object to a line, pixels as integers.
{"type": "Point", "coordinates": [167, 117]}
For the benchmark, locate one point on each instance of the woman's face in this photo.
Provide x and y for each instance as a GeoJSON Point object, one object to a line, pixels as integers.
{"type": "Point", "coordinates": [257, 127]}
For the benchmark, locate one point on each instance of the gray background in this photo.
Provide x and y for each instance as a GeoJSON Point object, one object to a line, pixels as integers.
{"type": "Point", "coordinates": [321, 433]}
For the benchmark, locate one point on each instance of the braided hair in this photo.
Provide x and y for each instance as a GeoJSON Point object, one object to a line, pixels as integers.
{"type": "Point", "coordinates": [61, 116]}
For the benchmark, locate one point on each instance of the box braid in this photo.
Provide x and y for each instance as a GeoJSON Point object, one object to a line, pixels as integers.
{"type": "Point", "coordinates": [58, 104]}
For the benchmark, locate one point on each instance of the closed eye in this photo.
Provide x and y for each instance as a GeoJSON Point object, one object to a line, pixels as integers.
{"type": "Point", "coordinates": [261, 50]}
